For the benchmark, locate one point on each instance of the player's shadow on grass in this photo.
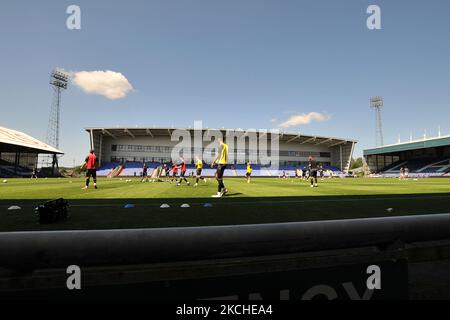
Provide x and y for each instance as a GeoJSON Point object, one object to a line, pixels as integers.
{"type": "Point", "coordinates": [233, 194]}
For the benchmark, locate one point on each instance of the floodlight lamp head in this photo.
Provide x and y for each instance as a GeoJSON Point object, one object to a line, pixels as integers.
{"type": "Point", "coordinates": [376, 102]}
{"type": "Point", "coordinates": [60, 75]}
{"type": "Point", "coordinates": [59, 79]}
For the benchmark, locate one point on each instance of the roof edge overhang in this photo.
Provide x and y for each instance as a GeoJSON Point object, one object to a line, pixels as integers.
{"type": "Point", "coordinates": [408, 146]}
{"type": "Point", "coordinates": [20, 140]}
{"type": "Point", "coordinates": [167, 131]}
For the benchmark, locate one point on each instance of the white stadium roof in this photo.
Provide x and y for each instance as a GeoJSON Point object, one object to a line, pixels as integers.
{"type": "Point", "coordinates": [288, 137]}
{"type": "Point", "coordinates": [11, 140]}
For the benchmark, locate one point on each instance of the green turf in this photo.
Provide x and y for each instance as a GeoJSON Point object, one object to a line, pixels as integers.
{"type": "Point", "coordinates": [265, 200]}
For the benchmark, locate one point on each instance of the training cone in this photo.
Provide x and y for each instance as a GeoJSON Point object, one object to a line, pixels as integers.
{"type": "Point", "coordinates": [185, 205]}
{"type": "Point", "coordinates": [208, 205]}
{"type": "Point", "coordinates": [129, 206]}
{"type": "Point", "coordinates": [14, 208]}
{"type": "Point", "coordinates": [164, 206]}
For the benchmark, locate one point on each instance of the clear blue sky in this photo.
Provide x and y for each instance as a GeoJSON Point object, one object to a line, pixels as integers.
{"type": "Point", "coordinates": [230, 63]}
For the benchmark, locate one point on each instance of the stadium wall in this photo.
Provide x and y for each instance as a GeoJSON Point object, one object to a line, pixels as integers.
{"type": "Point", "coordinates": [128, 149]}
{"type": "Point", "coordinates": [294, 150]}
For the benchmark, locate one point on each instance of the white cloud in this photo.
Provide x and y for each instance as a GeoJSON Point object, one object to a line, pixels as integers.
{"type": "Point", "coordinates": [110, 84]}
{"type": "Point", "coordinates": [302, 119]}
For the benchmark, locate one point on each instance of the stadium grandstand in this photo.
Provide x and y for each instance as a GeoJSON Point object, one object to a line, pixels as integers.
{"type": "Point", "coordinates": [122, 152]}
{"type": "Point", "coordinates": [423, 158]}
{"type": "Point", "coordinates": [19, 153]}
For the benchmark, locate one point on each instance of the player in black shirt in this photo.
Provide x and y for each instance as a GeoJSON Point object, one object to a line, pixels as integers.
{"type": "Point", "coordinates": [321, 172]}
{"type": "Point", "coordinates": [144, 173]}
{"type": "Point", "coordinates": [34, 173]}
{"type": "Point", "coordinates": [304, 173]}
{"type": "Point", "coordinates": [313, 168]}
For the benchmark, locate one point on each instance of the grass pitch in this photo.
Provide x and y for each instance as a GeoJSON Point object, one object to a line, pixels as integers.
{"type": "Point", "coordinates": [265, 200]}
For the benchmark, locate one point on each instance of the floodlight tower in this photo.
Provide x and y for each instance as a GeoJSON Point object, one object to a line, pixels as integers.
{"type": "Point", "coordinates": [377, 103]}
{"type": "Point", "coordinates": [58, 80]}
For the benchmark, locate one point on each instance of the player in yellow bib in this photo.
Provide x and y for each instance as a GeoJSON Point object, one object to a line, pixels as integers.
{"type": "Point", "coordinates": [249, 172]}
{"type": "Point", "coordinates": [221, 161]}
{"type": "Point", "coordinates": [199, 168]}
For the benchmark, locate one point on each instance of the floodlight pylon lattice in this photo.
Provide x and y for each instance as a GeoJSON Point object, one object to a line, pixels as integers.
{"type": "Point", "coordinates": [59, 81]}
{"type": "Point", "coordinates": [377, 103]}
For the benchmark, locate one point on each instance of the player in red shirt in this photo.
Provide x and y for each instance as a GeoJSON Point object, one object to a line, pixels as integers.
{"type": "Point", "coordinates": [183, 172]}
{"type": "Point", "coordinates": [174, 172]}
{"type": "Point", "coordinates": [90, 164]}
